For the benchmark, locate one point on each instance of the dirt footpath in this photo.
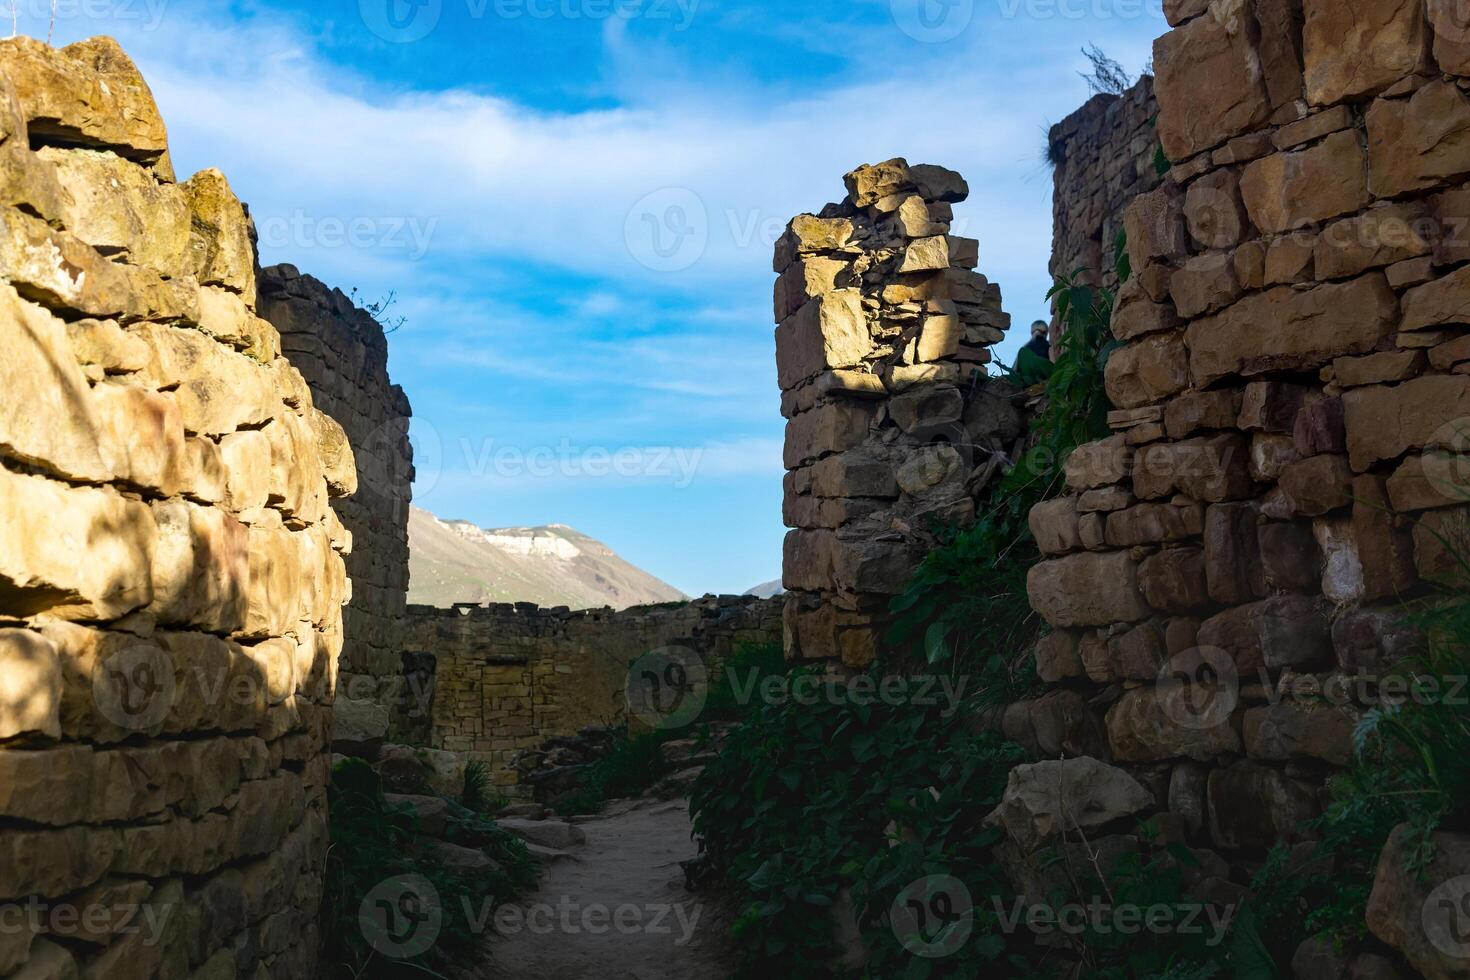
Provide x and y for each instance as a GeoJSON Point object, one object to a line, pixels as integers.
{"type": "Point", "coordinates": [618, 909]}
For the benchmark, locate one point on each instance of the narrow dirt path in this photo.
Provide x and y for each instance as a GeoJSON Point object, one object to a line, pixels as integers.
{"type": "Point", "coordinates": [619, 910]}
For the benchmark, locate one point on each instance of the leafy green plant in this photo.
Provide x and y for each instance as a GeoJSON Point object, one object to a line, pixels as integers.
{"type": "Point", "coordinates": [742, 672]}
{"type": "Point", "coordinates": [372, 842]}
{"type": "Point", "coordinates": [477, 794]}
{"type": "Point", "coordinates": [633, 765]}
{"type": "Point", "coordinates": [810, 801]}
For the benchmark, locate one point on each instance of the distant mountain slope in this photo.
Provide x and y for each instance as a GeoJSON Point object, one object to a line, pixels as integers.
{"type": "Point", "coordinates": [767, 590]}
{"type": "Point", "coordinates": [455, 561]}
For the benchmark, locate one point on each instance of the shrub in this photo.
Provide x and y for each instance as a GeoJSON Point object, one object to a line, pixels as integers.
{"type": "Point", "coordinates": [808, 801]}
{"type": "Point", "coordinates": [630, 768]}
{"type": "Point", "coordinates": [372, 842]}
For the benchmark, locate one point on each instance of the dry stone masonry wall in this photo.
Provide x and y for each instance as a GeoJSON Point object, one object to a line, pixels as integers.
{"type": "Point", "coordinates": [1103, 156]}
{"type": "Point", "coordinates": [508, 677]}
{"type": "Point", "coordinates": [1295, 379]}
{"type": "Point", "coordinates": [171, 578]}
{"type": "Point", "coordinates": [884, 334]}
{"type": "Point", "coordinates": [342, 353]}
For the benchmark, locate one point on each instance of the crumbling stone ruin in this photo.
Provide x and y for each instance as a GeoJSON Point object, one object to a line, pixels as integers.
{"type": "Point", "coordinates": [1293, 386]}
{"type": "Point", "coordinates": [171, 574]}
{"type": "Point", "coordinates": [511, 676]}
{"type": "Point", "coordinates": [1103, 156]}
{"type": "Point", "coordinates": [342, 352]}
{"type": "Point", "coordinates": [884, 332]}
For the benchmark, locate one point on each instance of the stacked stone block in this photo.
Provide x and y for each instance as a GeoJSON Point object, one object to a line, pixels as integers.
{"type": "Point", "coordinates": [1103, 156]}
{"type": "Point", "coordinates": [342, 352]}
{"type": "Point", "coordinates": [509, 676]}
{"type": "Point", "coordinates": [171, 578]}
{"type": "Point", "coordinates": [1292, 395]}
{"type": "Point", "coordinates": [893, 427]}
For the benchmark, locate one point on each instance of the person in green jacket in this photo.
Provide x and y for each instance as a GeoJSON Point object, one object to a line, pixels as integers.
{"type": "Point", "coordinates": [1033, 363]}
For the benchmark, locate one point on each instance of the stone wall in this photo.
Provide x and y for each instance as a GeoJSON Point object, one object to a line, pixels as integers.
{"type": "Point", "coordinates": [893, 428]}
{"type": "Point", "coordinates": [170, 574]}
{"type": "Point", "coordinates": [510, 676]}
{"type": "Point", "coordinates": [342, 353]}
{"type": "Point", "coordinates": [1296, 351]}
{"type": "Point", "coordinates": [1103, 156]}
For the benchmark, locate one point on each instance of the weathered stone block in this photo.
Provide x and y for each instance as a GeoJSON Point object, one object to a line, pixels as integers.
{"type": "Point", "coordinates": [1155, 226]}
{"type": "Point", "coordinates": [1385, 422]}
{"type": "Point", "coordinates": [1054, 525]}
{"type": "Point", "coordinates": [1205, 284]}
{"type": "Point", "coordinates": [89, 92]}
{"type": "Point", "coordinates": [1143, 727]}
{"type": "Point", "coordinates": [1288, 731]}
{"type": "Point", "coordinates": [1207, 468]}
{"type": "Point", "coordinates": [1098, 464]}
{"type": "Point", "coordinates": [1419, 142]}
{"type": "Point", "coordinates": [117, 207]}
{"type": "Point", "coordinates": [808, 234]}
{"type": "Point", "coordinates": [1284, 329]}
{"type": "Point", "coordinates": [220, 242]}
{"type": "Point", "coordinates": [1195, 410]}
{"type": "Point", "coordinates": [43, 527]}
{"type": "Point", "coordinates": [1255, 806]}
{"type": "Point", "coordinates": [1154, 523]}
{"type": "Point", "coordinates": [1215, 212]}
{"type": "Point", "coordinates": [1283, 631]}
{"type": "Point", "coordinates": [1135, 314]}
{"type": "Point", "coordinates": [1361, 49]}
{"type": "Point", "coordinates": [1057, 658]}
{"type": "Point", "coordinates": [1294, 189]}
{"type": "Point", "coordinates": [1173, 581]}
{"type": "Point", "coordinates": [829, 332]}
{"type": "Point", "coordinates": [804, 280]}
{"type": "Point", "coordinates": [1087, 590]}
{"type": "Point", "coordinates": [1048, 800]}
{"type": "Point", "coordinates": [1421, 912]}
{"type": "Point", "coordinates": [1290, 560]}
{"type": "Point", "coordinates": [1232, 555]}
{"type": "Point", "coordinates": [1442, 302]}
{"type": "Point", "coordinates": [1318, 485]}
{"type": "Point", "coordinates": [1210, 85]}
{"type": "Point", "coordinates": [1147, 371]}
{"type": "Point", "coordinates": [30, 685]}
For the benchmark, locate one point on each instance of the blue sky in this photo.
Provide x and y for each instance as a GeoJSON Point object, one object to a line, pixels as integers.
{"type": "Point", "coordinates": [574, 202]}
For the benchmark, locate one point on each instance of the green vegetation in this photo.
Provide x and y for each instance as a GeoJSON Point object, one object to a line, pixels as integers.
{"type": "Point", "coordinates": [1411, 766]}
{"type": "Point", "coordinates": [633, 765]}
{"type": "Point", "coordinates": [374, 842]}
{"type": "Point", "coordinates": [840, 799]}
{"type": "Point", "coordinates": [811, 801]}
